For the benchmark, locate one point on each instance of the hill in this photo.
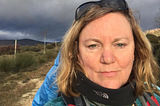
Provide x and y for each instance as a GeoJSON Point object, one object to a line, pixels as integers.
{"type": "Point", "coordinates": [22, 42]}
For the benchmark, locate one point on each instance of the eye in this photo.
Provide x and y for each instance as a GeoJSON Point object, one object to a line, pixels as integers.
{"type": "Point", "coordinates": [92, 46]}
{"type": "Point", "coordinates": [120, 45]}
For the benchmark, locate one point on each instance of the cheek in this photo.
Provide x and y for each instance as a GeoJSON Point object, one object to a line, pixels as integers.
{"type": "Point", "coordinates": [126, 61]}
{"type": "Point", "coordinates": [89, 62]}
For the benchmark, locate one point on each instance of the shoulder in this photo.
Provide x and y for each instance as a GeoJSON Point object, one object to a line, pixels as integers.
{"type": "Point", "coordinates": [56, 102]}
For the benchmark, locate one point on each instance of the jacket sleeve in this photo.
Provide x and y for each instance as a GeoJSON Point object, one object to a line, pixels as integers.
{"type": "Point", "coordinates": [47, 91]}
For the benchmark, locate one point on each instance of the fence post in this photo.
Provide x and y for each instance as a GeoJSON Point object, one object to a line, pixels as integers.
{"type": "Point", "coordinates": [15, 48]}
{"type": "Point", "coordinates": [45, 34]}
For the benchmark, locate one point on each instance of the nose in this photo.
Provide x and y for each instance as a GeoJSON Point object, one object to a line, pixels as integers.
{"type": "Point", "coordinates": [107, 57]}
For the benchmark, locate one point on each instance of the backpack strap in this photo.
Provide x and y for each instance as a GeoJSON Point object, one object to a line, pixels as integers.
{"type": "Point", "coordinates": [78, 101]}
{"type": "Point", "coordinates": [73, 101]}
{"type": "Point", "coordinates": [67, 100]}
{"type": "Point", "coordinates": [149, 99]}
{"type": "Point", "coordinates": [146, 98]}
{"type": "Point", "coordinates": [86, 102]}
{"type": "Point", "coordinates": [142, 100]}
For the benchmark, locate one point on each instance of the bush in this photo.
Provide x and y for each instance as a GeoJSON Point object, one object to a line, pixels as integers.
{"type": "Point", "coordinates": [27, 61]}
{"type": "Point", "coordinates": [50, 55]}
{"type": "Point", "coordinates": [156, 47]}
{"type": "Point", "coordinates": [23, 61]}
{"type": "Point", "coordinates": [7, 64]}
{"type": "Point", "coordinates": [157, 56]}
{"type": "Point", "coordinates": [42, 59]}
{"type": "Point", "coordinates": [8, 49]}
{"type": "Point", "coordinates": [49, 46]}
{"type": "Point", "coordinates": [152, 38]}
{"type": "Point", "coordinates": [32, 48]}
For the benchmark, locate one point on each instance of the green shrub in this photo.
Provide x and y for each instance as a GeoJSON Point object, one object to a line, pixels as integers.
{"type": "Point", "coordinates": [156, 46]}
{"type": "Point", "coordinates": [7, 64]}
{"type": "Point", "coordinates": [157, 55]}
{"type": "Point", "coordinates": [27, 60]}
{"type": "Point", "coordinates": [42, 59]}
{"type": "Point", "coordinates": [23, 61]}
{"type": "Point", "coordinates": [40, 46]}
{"type": "Point", "coordinates": [50, 55]}
{"type": "Point", "coordinates": [49, 46]}
{"type": "Point", "coordinates": [36, 49]}
{"type": "Point", "coordinates": [32, 48]}
{"type": "Point", "coordinates": [152, 38]}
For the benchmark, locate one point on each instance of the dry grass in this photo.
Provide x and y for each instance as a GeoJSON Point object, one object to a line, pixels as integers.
{"type": "Point", "coordinates": [13, 86]}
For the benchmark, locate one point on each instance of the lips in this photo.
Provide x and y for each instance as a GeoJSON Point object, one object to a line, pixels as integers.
{"type": "Point", "coordinates": [109, 73]}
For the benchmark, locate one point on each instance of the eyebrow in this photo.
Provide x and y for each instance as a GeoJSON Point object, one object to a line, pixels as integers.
{"type": "Point", "coordinates": [118, 39]}
{"type": "Point", "coordinates": [92, 39]}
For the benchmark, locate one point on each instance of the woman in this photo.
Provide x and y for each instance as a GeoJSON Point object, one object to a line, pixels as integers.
{"type": "Point", "coordinates": [105, 59]}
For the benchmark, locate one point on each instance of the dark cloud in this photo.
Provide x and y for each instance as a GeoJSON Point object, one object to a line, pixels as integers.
{"type": "Point", "coordinates": [147, 10]}
{"type": "Point", "coordinates": [30, 18]}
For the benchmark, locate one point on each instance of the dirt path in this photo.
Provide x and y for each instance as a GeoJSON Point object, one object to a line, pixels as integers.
{"type": "Point", "coordinates": [26, 99]}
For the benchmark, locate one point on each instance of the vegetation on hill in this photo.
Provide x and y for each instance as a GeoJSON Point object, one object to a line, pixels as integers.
{"type": "Point", "coordinates": [155, 41]}
{"type": "Point", "coordinates": [155, 32]}
{"type": "Point", "coordinates": [27, 58]}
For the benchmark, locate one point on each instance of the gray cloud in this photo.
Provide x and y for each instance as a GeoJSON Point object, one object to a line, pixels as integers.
{"type": "Point", "coordinates": [147, 10]}
{"type": "Point", "coordinates": [30, 18]}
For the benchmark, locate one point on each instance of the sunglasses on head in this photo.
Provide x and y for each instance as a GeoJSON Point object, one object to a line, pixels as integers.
{"type": "Point", "coordinates": [117, 5]}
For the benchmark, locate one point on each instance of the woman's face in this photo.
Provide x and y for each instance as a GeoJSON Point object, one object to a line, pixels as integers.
{"type": "Point", "coordinates": [106, 50]}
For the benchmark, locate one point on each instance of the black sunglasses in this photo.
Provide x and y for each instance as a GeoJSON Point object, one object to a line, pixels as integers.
{"type": "Point", "coordinates": [114, 4]}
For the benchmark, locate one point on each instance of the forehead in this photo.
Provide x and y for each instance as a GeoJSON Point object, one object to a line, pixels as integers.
{"type": "Point", "coordinates": [109, 24]}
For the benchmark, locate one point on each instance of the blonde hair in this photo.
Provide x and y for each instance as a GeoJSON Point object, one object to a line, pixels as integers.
{"type": "Point", "coordinates": [145, 69]}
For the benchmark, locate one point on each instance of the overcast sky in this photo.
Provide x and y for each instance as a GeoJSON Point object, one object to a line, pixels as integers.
{"type": "Point", "coordinates": [29, 19]}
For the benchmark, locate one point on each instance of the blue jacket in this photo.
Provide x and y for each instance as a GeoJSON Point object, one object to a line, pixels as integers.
{"type": "Point", "coordinates": [47, 91]}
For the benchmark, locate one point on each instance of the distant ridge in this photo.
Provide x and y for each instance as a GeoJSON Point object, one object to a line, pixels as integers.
{"type": "Point", "coordinates": [22, 42]}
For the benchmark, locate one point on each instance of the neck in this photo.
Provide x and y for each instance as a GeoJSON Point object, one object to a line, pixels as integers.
{"type": "Point", "coordinates": [93, 92]}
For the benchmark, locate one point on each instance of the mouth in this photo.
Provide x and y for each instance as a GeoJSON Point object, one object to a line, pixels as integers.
{"type": "Point", "coordinates": [109, 73]}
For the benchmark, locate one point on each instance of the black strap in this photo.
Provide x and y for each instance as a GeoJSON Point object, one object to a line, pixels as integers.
{"type": "Point", "coordinates": [67, 100]}
{"type": "Point", "coordinates": [78, 101]}
{"type": "Point", "coordinates": [149, 99]}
